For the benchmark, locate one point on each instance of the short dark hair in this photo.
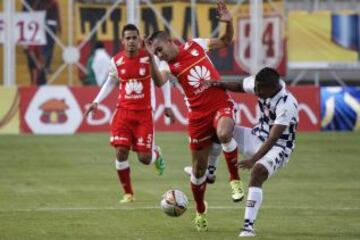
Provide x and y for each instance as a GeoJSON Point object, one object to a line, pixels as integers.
{"type": "Point", "coordinates": [99, 44]}
{"type": "Point", "coordinates": [159, 35]}
{"type": "Point", "coordinates": [129, 27]}
{"type": "Point", "coordinates": [267, 75]}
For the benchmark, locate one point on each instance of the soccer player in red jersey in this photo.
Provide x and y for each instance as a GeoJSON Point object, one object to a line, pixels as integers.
{"type": "Point", "coordinates": [132, 125]}
{"type": "Point", "coordinates": [211, 109]}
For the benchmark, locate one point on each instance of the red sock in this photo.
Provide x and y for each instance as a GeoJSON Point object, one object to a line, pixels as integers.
{"type": "Point", "coordinates": [231, 161]}
{"type": "Point", "coordinates": [199, 195]}
{"type": "Point", "coordinates": [125, 180]}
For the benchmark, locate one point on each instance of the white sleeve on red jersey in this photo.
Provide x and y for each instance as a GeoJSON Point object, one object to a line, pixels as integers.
{"type": "Point", "coordinates": [109, 84]}
{"type": "Point", "coordinates": [113, 70]}
{"type": "Point", "coordinates": [164, 66]}
{"type": "Point", "coordinates": [106, 89]}
{"type": "Point", "coordinates": [203, 42]}
{"type": "Point", "coordinates": [166, 91]}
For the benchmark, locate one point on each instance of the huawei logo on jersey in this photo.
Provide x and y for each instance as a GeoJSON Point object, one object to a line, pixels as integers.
{"type": "Point", "coordinates": [197, 75]}
{"type": "Point", "coordinates": [133, 86]}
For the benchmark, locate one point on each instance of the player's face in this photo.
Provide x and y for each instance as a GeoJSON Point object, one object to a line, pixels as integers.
{"type": "Point", "coordinates": [264, 90]}
{"type": "Point", "coordinates": [131, 41]}
{"type": "Point", "coordinates": [163, 49]}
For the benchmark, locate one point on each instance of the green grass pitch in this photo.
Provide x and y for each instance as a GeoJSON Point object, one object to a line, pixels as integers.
{"type": "Point", "coordinates": [65, 187]}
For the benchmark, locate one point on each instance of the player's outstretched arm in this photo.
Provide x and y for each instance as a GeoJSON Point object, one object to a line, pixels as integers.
{"type": "Point", "coordinates": [275, 133]}
{"type": "Point", "coordinates": [236, 86]}
{"type": "Point", "coordinates": [245, 85]}
{"type": "Point", "coordinates": [225, 16]}
{"type": "Point", "coordinates": [105, 90]}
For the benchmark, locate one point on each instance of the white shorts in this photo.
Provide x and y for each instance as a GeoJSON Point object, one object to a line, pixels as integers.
{"type": "Point", "coordinates": [249, 144]}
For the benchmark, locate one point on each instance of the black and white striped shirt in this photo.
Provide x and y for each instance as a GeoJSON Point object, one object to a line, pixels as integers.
{"type": "Point", "coordinates": [280, 109]}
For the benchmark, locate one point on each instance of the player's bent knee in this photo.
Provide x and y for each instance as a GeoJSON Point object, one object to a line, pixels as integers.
{"type": "Point", "coordinates": [224, 135]}
{"type": "Point", "coordinates": [259, 174]}
{"type": "Point", "coordinates": [122, 153]}
{"type": "Point", "coordinates": [145, 158]}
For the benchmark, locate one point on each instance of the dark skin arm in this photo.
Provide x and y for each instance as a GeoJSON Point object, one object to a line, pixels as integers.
{"type": "Point", "coordinates": [231, 86]}
{"type": "Point", "coordinates": [274, 135]}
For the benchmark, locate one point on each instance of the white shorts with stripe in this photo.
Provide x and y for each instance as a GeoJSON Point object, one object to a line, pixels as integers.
{"type": "Point", "coordinates": [249, 144]}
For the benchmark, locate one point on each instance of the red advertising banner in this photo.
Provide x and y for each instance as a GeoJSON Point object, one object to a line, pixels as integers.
{"type": "Point", "coordinates": [59, 110]}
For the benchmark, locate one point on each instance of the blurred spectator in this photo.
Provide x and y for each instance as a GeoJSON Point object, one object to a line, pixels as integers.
{"type": "Point", "coordinates": [97, 66]}
{"type": "Point", "coordinates": [53, 22]}
{"type": "Point", "coordinates": [36, 65]}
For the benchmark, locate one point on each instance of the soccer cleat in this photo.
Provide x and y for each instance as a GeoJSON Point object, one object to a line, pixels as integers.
{"type": "Point", "coordinates": [247, 233]}
{"type": "Point", "coordinates": [200, 220]}
{"type": "Point", "coordinates": [211, 177]}
{"type": "Point", "coordinates": [237, 190]}
{"type": "Point", "coordinates": [188, 170]}
{"type": "Point", "coordinates": [127, 198]}
{"type": "Point", "coordinates": [160, 162]}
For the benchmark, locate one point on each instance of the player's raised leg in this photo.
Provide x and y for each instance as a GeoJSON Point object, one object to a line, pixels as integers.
{"type": "Point", "coordinates": [154, 157]}
{"type": "Point", "coordinates": [123, 172]}
{"type": "Point", "coordinates": [148, 152]}
{"type": "Point", "coordinates": [198, 187]}
{"type": "Point", "coordinates": [224, 130]}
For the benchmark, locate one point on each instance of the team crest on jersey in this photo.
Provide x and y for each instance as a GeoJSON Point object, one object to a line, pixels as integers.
{"type": "Point", "coordinates": [120, 61]}
{"type": "Point", "coordinates": [195, 52]}
{"type": "Point", "coordinates": [197, 75]}
{"type": "Point", "coordinates": [176, 65]}
{"type": "Point", "coordinates": [142, 71]}
{"type": "Point", "coordinates": [122, 71]}
{"type": "Point", "coordinates": [144, 60]}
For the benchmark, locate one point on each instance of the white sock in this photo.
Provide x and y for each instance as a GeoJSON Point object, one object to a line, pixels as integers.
{"type": "Point", "coordinates": [121, 165]}
{"type": "Point", "coordinates": [214, 155]}
{"type": "Point", "coordinates": [254, 200]}
{"type": "Point", "coordinates": [230, 146]}
{"type": "Point", "coordinates": [197, 181]}
{"type": "Point", "coordinates": [154, 154]}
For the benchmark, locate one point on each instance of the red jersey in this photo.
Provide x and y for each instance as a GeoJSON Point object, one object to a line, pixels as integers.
{"type": "Point", "coordinates": [192, 67]}
{"type": "Point", "coordinates": [135, 80]}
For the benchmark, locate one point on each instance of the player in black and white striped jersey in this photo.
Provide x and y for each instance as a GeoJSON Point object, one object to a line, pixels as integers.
{"type": "Point", "coordinates": [268, 146]}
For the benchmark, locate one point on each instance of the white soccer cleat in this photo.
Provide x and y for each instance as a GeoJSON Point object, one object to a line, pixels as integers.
{"type": "Point", "coordinates": [247, 233]}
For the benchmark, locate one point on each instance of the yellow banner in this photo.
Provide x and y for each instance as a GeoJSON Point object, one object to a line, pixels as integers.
{"type": "Point", "coordinates": [9, 110]}
{"type": "Point", "coordinates": [178, 13]}
{"type": "Point", "coordinates": [310, 39]}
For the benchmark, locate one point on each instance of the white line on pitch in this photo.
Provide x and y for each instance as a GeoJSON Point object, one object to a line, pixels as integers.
{"type": "Point", "coordinates": [135, 208]}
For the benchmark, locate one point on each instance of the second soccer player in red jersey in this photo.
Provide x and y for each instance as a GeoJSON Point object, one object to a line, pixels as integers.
{"type": "Point", "coordinates": [132, 125]}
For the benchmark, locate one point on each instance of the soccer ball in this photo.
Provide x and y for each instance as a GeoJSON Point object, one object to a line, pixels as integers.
{"type": "Point", "coordinates": [174, 203]}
